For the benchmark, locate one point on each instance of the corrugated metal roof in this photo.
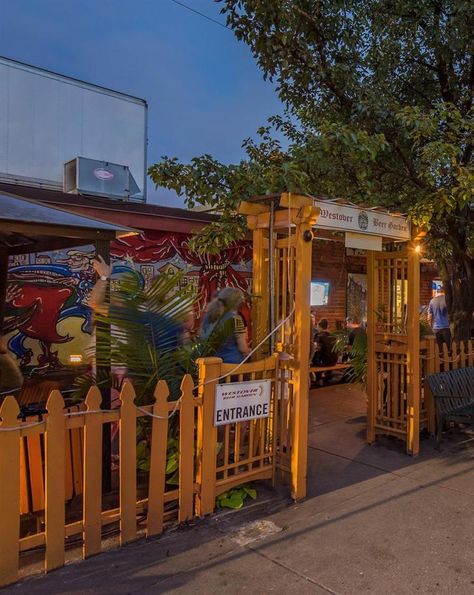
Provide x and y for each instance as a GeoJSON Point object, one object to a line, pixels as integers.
{"type": "Point", "coordinates": [106, 204]}
{"type": "Point", "coordinates": [21, 210]}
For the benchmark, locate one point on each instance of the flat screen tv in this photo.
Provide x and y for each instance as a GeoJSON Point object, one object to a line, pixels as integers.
{"type": "Point", "coordinates": [319, 293]}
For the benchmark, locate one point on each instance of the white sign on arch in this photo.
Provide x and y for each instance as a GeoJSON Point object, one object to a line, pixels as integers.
{"type": "Point", "coordinates": [351, 218]}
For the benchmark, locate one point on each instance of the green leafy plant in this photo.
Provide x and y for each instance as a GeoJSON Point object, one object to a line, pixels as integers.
{"type": "Point", "coordinates": [172, 462]}
{"type": "Point", "coordinates": [140, 333]}
{"type": "Point", "coordinates": [235, 497]}
{"type": "Point", "coordinates": [356, 354]}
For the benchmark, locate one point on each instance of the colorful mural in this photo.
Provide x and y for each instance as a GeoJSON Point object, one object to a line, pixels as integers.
{"type": "Point", "coordinates": [158, 252]}
{"type": "Point", "coordinates": [46, 306]}
{"type": "Point", "coordinates": [47, 318]}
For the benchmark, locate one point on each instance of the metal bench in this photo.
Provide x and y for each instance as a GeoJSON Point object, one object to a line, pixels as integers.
{"type": "Point", "coordinates": [453, 394]}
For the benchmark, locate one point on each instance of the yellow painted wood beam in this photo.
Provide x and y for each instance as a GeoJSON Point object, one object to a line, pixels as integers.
{"type": "Point", "coordinates": [288, 199]}
{"type": "Point", "coordinates": [281, 219]}
{"type": "Point", "coordinates": [252, 208]}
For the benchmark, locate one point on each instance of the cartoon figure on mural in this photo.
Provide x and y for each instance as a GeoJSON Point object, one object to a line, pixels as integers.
{"type": "Point", "coordinates": [42, 295]}
{"type": "Point", "coordinates": [47, 317]}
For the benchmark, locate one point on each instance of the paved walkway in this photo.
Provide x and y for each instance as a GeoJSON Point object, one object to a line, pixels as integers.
{"type": "Point", "coordinates": [375, 522]}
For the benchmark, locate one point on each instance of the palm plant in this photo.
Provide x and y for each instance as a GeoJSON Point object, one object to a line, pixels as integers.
{"type": "Point", "coordinates": [357, 354]}
{"type": "Point", "coordinates": [141, 332]}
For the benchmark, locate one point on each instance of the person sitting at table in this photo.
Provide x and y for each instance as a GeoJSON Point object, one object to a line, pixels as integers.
{"type": "Point", "coordinates": [325, 354]}
{"type": "Point", "coordinates": [354, 328]}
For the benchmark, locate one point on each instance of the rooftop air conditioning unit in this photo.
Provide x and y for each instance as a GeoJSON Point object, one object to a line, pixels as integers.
{"type": "Point", "coordinates": [99, 178]}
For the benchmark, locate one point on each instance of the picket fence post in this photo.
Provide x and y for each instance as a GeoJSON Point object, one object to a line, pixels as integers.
{"type": "Point", "coordinates": [92, 497]}
{"type": "Point", "coordinates": [128, 464]}
{"type": "Point", "coordinates": [158, 451]}
{"type": "Point", "coordinates": [55, 513]}
{"type": "Point", "coordinates": [431, 355]}
{"type": "Point", "coordinates": [9, 492]}
{"type": "Point", "coordinates": [209, 372]}
{"type": "Point", "coordinates": [186, 450]}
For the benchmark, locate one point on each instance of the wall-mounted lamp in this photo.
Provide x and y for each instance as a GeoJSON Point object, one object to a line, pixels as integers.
{"type": "Point", "coordinates": [75, 359]}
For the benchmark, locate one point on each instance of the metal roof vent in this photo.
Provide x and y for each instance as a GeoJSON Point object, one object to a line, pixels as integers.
{"type": "Point", "coordinates": [99, 178]}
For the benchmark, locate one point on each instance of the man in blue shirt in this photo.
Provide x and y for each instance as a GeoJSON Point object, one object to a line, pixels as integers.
{"type": "Point", "coordinates": [438, 319]}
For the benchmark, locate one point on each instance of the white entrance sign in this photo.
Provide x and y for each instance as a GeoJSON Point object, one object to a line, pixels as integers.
{"type": "Point", "coordinates": [361, 241]}
{"type": "Point", "coordinates": [241, 401]}
{"type": "Point", "coordinates": [349, 218]}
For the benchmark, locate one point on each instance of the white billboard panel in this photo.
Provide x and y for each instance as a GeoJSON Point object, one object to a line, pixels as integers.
{"type": "Point", "coordinates": [47, 119]}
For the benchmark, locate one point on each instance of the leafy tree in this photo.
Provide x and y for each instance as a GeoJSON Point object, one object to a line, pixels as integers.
{"type": "Point", "coordinates": [379, 110]}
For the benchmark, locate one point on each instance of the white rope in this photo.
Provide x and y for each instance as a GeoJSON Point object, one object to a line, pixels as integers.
{"type": "Point", "coordinates": [449, 360]}
{"type": "Point", "coordinates": [9, 392]}
{"type": "Point", "coordinates": [87, 412]}
{"type": "Point", "coordinates": [154, 416]}
{"type": "Point", "coordinates": [177, 402]}
{"type": "Point", "coordinates": [23, 427]}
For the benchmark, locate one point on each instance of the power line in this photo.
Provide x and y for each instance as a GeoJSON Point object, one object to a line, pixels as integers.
{"type": "Point", "coordinates": [201, 14]}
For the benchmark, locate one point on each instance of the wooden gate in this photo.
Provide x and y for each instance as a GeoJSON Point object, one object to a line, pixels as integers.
{"type": "Point", "coordinates": [393, 374]}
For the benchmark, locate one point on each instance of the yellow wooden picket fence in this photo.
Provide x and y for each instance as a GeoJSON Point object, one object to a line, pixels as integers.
{"type": "Point", "coordinates": [211, 461]}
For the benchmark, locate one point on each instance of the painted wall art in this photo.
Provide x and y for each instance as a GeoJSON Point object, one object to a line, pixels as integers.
{"type": "Point", "coordinates": [47, 317]}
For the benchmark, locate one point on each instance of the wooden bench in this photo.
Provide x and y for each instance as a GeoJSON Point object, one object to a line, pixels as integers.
{"type": "Point", "coordinates": [323, 369]}
{"type": "Point", "coordinates": [453, 394]}
{"type": "Point", "coordinates": [34, 391]}
{"type": "Point", "coordinates": [34, 395]}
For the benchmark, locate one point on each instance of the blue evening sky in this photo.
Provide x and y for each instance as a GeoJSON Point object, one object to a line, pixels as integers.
{"type": "Point", "coordinates": [204, 90]}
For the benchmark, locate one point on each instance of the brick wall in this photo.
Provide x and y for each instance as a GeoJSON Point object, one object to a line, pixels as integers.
{"type": "Point", "coordinates": [331, 263]}
{"type": "Point", "coordinates": [428, 273]}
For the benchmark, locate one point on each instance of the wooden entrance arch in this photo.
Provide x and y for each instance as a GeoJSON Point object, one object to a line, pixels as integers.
{"type": "Point", "coordinates": [282, 247]}
{"type": "Point", "coordinates": [282, 227]}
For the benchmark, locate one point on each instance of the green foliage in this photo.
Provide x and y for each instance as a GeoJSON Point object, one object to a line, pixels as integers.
{"type": "Point", "coordinates": [235, 497]}
{"type": "Point", "coordinates": [357, 355]}
{"type": "Point", "coordinates": [172, 462]}
{"type": "Point", "coordinates": [378, 102]}
{"type": "Point", "coordinates": [138, 333]}
{"type": "Point", "coordinates": [172, 456]}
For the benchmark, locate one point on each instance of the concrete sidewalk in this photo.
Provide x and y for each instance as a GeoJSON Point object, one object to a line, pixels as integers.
{"type": "Point", "coordinates": [375, 521]}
